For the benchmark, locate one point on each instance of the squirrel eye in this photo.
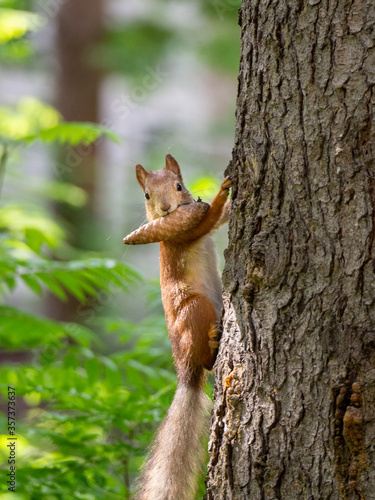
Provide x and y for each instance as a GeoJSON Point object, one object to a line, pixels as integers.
{"type": "Point", "coordinates": [147, 196]}
{"type": "Point", "coordinates": [179, 187]}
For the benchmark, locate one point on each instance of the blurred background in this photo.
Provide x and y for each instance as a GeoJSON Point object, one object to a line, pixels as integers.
{"type": "Point", "coordinates": [88, 89]}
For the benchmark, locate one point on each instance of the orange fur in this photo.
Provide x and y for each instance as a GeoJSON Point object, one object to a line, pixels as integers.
{"type": "Point", "coordinates": [191, 295]}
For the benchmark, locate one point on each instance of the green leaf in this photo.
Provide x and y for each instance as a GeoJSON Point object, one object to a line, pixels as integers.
{"type": "Point", "coordinates": [16, 51]}
{"type": "Point", "coordinates": [82, 335]}
{"type": "Point", "coordinates": [92, 367]}
{"type": "Point", "coordinates": [63, 193]}
{"type": "Point", "coordinates": [19, 329]}
{"type": "Point", "coordinates": [32, 225]}
{"type": "Point", "coordinates": [82, 279]}
{"type": "Point", "coordinates": [153, 36]}
{"type": "Point", "coordinates": [73, 285]}
{"type": "Point", "coordinates": [15, 23]}
{"type": "Point", "coordinates": [32, 282]}
{"type": "Point", "coordinates": [53, 285]}
{"type": "Point", "coordinates": [73, 133]}
{"type": "Point", "coordinates": [206, 187]}
{"type": "Point", "coordinates": [32, 120]}
{"type": "Point", "coordinates": [27, 118]}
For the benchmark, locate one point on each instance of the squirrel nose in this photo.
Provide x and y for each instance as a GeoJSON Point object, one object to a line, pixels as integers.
{"type": "Point", "coordinates": [165, 206]}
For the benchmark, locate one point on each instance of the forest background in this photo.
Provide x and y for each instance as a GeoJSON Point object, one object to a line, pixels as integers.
{"type": "Point", "coordinates": [88, 89]}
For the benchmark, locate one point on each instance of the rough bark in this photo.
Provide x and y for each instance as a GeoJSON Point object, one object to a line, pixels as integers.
{"type": "Point", "coordinates": [295, 377]}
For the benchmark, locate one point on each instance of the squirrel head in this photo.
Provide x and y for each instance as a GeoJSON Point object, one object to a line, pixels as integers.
{"type": "Point", "coordinates": [164, 189]}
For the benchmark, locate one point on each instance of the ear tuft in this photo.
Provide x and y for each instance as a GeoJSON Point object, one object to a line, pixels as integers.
{"type": "Point", "coordinates": [172, 165]}
{"type": "Point", "coordinates": [141, 174]}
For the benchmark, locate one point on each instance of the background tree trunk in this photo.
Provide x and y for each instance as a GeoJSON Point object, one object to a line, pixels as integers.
{"type": "Point", "coordinates": [79, 29]}
{"type": "Point", "coordinates": [295, 377]}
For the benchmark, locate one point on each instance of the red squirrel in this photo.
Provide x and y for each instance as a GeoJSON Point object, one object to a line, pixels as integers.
{"type": "Point", "coordinates": [192, 300]}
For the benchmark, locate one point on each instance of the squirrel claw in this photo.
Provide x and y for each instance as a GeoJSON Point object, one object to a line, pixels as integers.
{"type": "Point", "coordinates": [226, 184]}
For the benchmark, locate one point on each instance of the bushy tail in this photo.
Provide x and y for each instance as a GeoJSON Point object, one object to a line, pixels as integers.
{"type": "Point", "coordinates": [177, 453]}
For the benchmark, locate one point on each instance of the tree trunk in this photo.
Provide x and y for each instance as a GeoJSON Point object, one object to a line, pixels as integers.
{"type": "Point", "coordinates": [79, 28]}
{"type": "Point", "coordinates": [295, 376]}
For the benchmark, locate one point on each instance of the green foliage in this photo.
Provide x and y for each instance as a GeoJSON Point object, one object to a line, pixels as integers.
{"type": "Point", "coordinates": [33, 120]}
{"type": "Point", "coordinates": [15, 52]}
{"type": "Point", "coordinates": [62, 192]}
{"type": "Point", "coordinates": [73, 133]}
{"type": "Point", "coordinates": [120, 50]}
{"type": "Point", "coordinates": [81, 279]}
{"type": "Point", "coordinates": [89, 397]}
{"type": "Point", "coordinates": [90, 415]}
{"type": "Point", "coordinates": [85, 403]}
{"type": "Point", "coordinates": [27, 118]}
{"type": "Point", "coordinates": [221, 48]}
{"type": "Point", "coordinates": [206, 187]}
{"type": "Point", "coordinates": [24, 227]}
{"type": "Point", "coordinates": [90, 409]}
{"type": "Point", "coordinates": [16, 23]}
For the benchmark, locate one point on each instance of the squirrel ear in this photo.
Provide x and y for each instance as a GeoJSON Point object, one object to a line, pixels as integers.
{"type": "Point", "coordinates": [141, 174]}
{"type": "Point", "coordinates": [172, 165]}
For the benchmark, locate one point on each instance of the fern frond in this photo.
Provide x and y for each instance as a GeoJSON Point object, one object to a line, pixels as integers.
{"type": "Point", "coordinates": [82, 279]}
{"type": "Point", "coordinates": [73, 133]}
{"type": "Point", "coordinates": [22, 330]}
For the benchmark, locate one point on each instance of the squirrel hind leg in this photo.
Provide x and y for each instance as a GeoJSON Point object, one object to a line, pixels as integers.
{"type": "Point", "coordinates": [197, 338]}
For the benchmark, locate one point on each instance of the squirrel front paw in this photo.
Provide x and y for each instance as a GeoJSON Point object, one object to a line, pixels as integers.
{"type": "Point", "coordinates": [226, 184]}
